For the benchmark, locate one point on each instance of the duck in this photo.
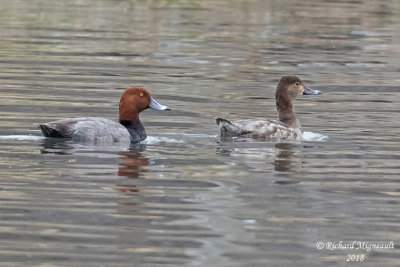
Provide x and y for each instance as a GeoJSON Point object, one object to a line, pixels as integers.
{"type": "Point", "coordinates": [287, 126]}
{"type": "Point", "coordinates": [128, 129]}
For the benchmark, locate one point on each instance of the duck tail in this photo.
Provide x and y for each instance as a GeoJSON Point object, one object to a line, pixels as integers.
{"type": "Point", "coordinates": [50, 131]}
{"type": "Point", "coordinates": [227, 128]}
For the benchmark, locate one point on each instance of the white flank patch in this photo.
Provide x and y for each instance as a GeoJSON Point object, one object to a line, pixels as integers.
{"type": "Point", "coordinates": [152, 140]}
{"type": "Point", "coordinates": [21, 137]}
{"type": "Point", "coordinates": [311, 136]}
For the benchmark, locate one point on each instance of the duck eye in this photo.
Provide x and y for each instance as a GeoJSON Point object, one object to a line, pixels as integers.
{"type": "Point", "coordinates": [297, 83]}
{"type": "Point", "coordinates": [141, 94]}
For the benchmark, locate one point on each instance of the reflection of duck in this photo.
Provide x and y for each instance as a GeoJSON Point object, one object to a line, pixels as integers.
{"type": "Point", "coordinates": [286, 127]}
{"type": "Point", "coordinates": [88, 129]}
{"type": "Point", "coordinates": [288, 158]}
{"type": "Point", "coordinates": [56, 146]}
{"type": "Point", "coordinates": [131, 165]}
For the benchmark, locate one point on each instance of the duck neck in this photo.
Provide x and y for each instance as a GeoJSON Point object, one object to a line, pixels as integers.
{"type": "Point", "coordinates": [286, 113]}
{"type": "Point", "coordinates": [135, 129]}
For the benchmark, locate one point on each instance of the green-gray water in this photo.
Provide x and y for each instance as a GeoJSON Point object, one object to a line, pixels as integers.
{"type": "Point", "coordinates": [188, 198]}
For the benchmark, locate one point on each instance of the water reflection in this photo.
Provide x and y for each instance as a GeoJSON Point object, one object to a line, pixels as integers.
{"type": "Point", "coordinates": [56, 146]}
{"type": "Point", "coordinates": [288, 157]}
{"type": "Point", "coordinates": [131, 167]}
{"type": "Point", "coordinates": [66, 146]}
{"type": "Point", "coordinates": [132, 164]}
{"type": "Point", "coordinates": [197, 203]}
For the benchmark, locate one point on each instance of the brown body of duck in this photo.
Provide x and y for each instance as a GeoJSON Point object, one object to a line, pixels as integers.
{"type": "Point", "coordinates": [287, 126]}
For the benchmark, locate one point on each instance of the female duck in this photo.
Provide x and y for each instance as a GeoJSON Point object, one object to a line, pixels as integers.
{"type": "Point", "coordinates": [286, 127]}
{"type": "Point", "coordinates": [92, 129]}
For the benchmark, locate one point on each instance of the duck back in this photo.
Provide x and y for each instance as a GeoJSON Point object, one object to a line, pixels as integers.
{"type": "Point", "coordinates": [258, 129]}
{"type": "Point", "coordinates": [229, 129]}
{"type": "Point", "coordinates": [87, 129]}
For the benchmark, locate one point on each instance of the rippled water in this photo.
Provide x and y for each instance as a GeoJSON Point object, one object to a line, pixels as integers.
{"type": "Point", "coordinates": [185, 197]}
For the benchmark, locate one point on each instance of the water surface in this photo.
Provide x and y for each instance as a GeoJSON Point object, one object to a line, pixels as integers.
{"type": "Point", "coordinates": [186, 197]}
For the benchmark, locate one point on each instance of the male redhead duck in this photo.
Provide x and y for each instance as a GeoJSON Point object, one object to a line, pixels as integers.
{"type": "Point", "coordinates": [92, 129]}
{"type": "Point", "coordinates": [286, 127]}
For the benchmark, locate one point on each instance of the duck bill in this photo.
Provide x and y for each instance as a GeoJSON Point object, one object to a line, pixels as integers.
{"type": "Point", "coordinates": [309, 91]}
{"type": "Point", "coordinates": [155, 105]}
